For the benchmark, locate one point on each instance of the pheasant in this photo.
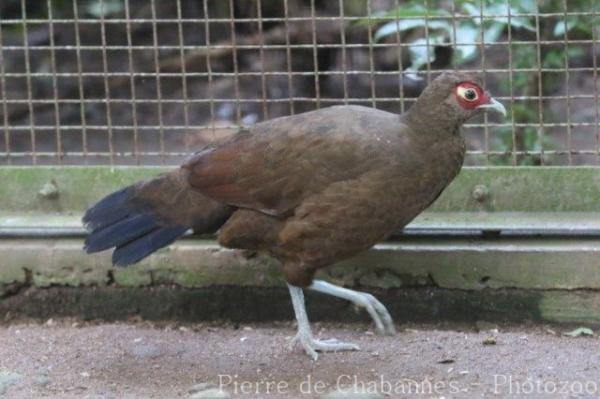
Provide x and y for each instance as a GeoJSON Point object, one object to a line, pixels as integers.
{"type": "Point", "coordinates": [309, 189]}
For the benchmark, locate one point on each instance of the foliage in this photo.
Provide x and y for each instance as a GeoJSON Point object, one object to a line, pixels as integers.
{"type": "Point", "coordinates": [104, 8]}
{"type": "Point", "coordinates": [425, 25]}
{"type": "Point", "coordinates": [485, 20]}
{"type": "Point", "coordinates": [476, 20]}
{"type": "Point", "coordinates": [530, 138]}
{"type": "Point", "coordinates": [526, 138]}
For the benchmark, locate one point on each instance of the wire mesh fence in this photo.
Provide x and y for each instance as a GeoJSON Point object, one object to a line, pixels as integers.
{"type": "Point", "coordinates": [146, 82]}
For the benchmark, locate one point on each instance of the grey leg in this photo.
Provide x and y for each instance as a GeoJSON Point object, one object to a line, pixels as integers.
{"type": "Point", "coordinates": [379, 314]}
{"type": "Point", "coordinates": [305, 337]}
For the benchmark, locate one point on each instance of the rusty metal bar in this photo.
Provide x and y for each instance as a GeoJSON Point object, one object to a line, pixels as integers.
{"type": "Point", "coordinates": [342, 21]}
{"type": "Point", "coordinates": [131, 67]}
{"type": "Point", "coordinates": [3, 93]}
{"type": "Point", "coordinates": [80, 85]}
{"type": "Point", "coordinates": [326, 18]}
{"type": "Point", "coordinates": [315, 52]}
{"type": "Point", "coordinates": [28, 77]}
{"type": "Point", "coordinates": [261, 52]}
{"type": "Point", "coordinates": [106, 83]}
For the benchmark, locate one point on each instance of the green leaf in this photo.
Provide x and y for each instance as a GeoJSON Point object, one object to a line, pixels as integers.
{"type": "Point", "coordinates": [499, 9]}
{"type": "Point", "coordinates": [560, 28]}
{"type": "Point", "coordinates": [472, 10]}
{"type": "Point", "coordinates": [104, 8]}
{"type": "Point", "coordinates": [570, 24]}
{"type": "Point", "coordinates": [515, 22]}
{"type": "Point", "coordinates": [422, 52]}
{"type": "Point", "coordinates": [404, 12]}
{"type": "Point", "coordinates": [412, 12]}
{"type": "Point", "coordinates": [554, 59]}
{"type": "Point", "coordinates": [466, 33]}
{"type": "Point", "coordinates": [526, 6]}
{"type": "Point", "coordinates": [492, 33]}
{"type": "Point", "coordinates": [408, 24]}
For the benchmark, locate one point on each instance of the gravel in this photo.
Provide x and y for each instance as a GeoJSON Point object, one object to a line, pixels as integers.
{"type": "Point", "coordinates": [7, 379]}
{"type": "Point", "coordinates": [67, 359]}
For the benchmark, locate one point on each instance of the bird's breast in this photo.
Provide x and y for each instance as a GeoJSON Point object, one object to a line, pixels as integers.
{"type": "Point", "coordinates": [420, 178]}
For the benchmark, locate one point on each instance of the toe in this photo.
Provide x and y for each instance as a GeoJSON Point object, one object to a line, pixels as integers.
{"type": "Point", "coordinates": [372, 310]}
{"type": "Point", "coordinates": [312, 353]}
{"type": "Point", "coordinates": [330, 341]}
{"type": "Point", "coordinates": [391, 329]}
{"type": "Point", "coordinates": [382, 312]}
{"type": "Point", "coordinates": [334, 347]}
{"type": "Point", "coordinates": [312, 345]}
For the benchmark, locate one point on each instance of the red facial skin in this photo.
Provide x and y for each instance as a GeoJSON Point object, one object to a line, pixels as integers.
{"type": "Point", "coordinates": [482, 97]}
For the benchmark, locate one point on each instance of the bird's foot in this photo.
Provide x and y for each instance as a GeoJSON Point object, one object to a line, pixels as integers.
{"type": "Point", "coordinates": [381, 317]}
{"type": "Point", "coordinates": [311, 345]}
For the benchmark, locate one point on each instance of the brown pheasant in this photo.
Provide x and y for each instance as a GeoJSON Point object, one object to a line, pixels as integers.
{"type": "Point", "coordinates": [309, 189]}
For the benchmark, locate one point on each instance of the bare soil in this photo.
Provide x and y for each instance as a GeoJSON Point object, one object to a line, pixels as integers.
{"type": "Point", "coordinates": [69, 359]}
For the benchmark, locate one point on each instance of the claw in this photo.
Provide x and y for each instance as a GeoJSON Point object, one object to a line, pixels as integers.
{"type": "Point", "coordinates": [382, 312]}
{"type": "Point", "coordinates": [312, 345]}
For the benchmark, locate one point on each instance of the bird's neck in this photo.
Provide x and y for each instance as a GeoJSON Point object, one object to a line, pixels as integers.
{"type": "Point", "coordinates": [434, 122]}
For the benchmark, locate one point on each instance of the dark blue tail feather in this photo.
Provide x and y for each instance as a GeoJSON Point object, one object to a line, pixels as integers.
{"type": "Point", "coordinates": [108, 210]}
{"type": "Point", "coordinates": [120, 232]}
{"type": "Point", "coordinates": [117, 221]}
{"type": "Point", "coordinates": [138, 249]}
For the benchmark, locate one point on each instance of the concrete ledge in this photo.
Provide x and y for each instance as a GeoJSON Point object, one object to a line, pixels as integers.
{"type": "Point", "coordinates": [454, 263]}
{"type": "Point", "coordinates": [456, 279]}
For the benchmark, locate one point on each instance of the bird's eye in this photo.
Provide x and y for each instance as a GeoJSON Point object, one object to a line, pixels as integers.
{"type": "Point", "coordinates": [470, 95]}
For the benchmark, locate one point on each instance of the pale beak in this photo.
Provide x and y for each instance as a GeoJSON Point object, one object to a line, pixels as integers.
{"type": "Point", "coordinates": [494, 105]}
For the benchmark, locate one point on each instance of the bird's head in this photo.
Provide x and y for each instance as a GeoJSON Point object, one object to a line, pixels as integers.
{"type": "Point", "coordinates": [472, 98]}
{"type": "Point", "coordinates": [453, 98]}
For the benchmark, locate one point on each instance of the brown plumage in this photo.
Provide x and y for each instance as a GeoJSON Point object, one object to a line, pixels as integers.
{"type": "Point", "coordinates": [309, 189]}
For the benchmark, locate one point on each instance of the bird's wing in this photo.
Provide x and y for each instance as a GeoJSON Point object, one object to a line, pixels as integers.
{"type": "Point", "coordinates": [278, 163]}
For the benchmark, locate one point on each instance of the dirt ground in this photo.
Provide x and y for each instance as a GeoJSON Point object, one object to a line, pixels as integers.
{"type": "Point", "coordinates": [69, 359]}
